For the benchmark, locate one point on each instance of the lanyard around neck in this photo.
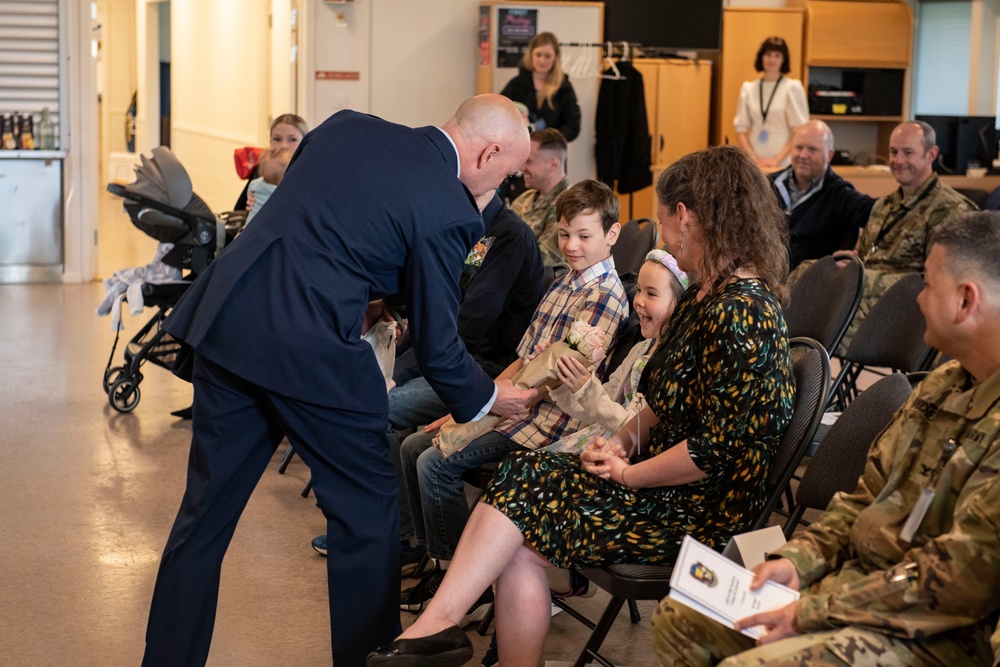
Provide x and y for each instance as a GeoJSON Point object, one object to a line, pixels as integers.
{"type": "Point", "coordinates": [898, 215]}
{"type": "Point", "coordinates": [763, 109]}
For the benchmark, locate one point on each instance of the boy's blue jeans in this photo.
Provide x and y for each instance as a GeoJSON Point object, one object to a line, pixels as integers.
{"type": "Point", "coordinates": [434, 488]}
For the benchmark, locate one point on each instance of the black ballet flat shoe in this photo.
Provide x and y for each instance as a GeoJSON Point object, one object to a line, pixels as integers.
{"type": "Point", "coordinates": [448, 648]}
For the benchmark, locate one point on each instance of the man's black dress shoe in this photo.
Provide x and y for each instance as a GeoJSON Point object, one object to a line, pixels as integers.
{"type": "Point", "coordinates": [183, 413]}
{"type": "Point", "coordinates": [448, 648]}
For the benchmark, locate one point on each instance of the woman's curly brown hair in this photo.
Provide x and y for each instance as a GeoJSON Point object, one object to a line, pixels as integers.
{"type": "Point", "coordinates": [736, 210]}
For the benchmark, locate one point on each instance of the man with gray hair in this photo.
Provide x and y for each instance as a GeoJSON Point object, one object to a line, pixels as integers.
{"type": "Point", "coordinates": [904, 570]}
{"type": "Point", "coordinates": [825, 213]}
{"type": "Point", "coordinates": [894, 241]}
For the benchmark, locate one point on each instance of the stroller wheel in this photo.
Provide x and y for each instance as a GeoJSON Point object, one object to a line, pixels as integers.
{"type": "Point", "coordinates": [111, 376]}
{"type": "Point", "coordinates": [124, 395]}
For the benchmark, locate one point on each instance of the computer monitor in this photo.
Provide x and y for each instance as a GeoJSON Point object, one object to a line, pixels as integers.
{"type": "Point", "coordinates": [962, 139]}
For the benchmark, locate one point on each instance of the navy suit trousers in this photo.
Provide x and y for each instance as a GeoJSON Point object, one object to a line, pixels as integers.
{"type": "Point", "coordinates": [237, 426]}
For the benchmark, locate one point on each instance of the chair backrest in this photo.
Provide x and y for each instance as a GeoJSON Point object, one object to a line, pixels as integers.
{"type": "Point", "coordinates": [891, 336]}
{"type": "Point", "coordinates": [840, 458]}
{"type": "Point", "coordinates": [630, 333]}
{"type": "Point", "coordinates": [811, 365]}
{"type": "Point", "coordinates": [636, 239]}
{"type": "Point", "coordinates": [975, 195]}
{"type": "Point", "coordinates": [824, 299]}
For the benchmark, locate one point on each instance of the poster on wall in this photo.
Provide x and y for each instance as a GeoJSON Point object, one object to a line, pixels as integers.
{"type": "Point", "coordinates": [484, 34]}
{"type": "Point", "coordinates": [516, 28]}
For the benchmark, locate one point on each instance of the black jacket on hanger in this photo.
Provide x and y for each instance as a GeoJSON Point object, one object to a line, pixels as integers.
{"type": "Point", "coordinates": [622, 146]}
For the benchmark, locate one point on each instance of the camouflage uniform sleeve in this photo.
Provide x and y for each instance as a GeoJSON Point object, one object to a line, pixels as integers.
{"type": "Point", "coordinates": [548, 239]}
{"type": "Point", "coordinates": [948, 582]}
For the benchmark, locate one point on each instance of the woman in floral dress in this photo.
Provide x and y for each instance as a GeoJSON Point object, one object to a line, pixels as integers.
{"type": "Point", "coordinates": [719, 391]}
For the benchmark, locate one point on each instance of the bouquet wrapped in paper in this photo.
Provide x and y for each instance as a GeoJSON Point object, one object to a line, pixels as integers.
{"type": "Point", "coordinates": [586, 343]}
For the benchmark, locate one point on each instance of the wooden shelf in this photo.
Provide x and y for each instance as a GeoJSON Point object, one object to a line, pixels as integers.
{"type": "Point", "coordinates": [857, 118]}
{"type": "Point", "coordinates": [872, 43]}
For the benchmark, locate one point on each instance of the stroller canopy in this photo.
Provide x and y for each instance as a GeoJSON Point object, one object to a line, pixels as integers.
{"type": "Point", "coordinates": [162, 178]}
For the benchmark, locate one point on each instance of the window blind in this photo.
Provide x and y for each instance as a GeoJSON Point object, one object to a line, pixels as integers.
{"type": "Point", "coordinates": [29, 58]}
{"type": "Point", "coordinates": [941, 72]}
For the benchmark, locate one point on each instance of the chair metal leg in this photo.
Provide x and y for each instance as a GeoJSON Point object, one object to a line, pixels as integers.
{"type": "Point", "coordinates": [590, 651]}
{"type": "Point", "coordinates": [484, 625]}
{"type": "Point", "coordinates": [307, 488]}
{"type": "Point", "coordinates": [573, 612]}
{"type": "Point", "coordinates": [286, 459]}
{"type": "Point", "coordinates": [418, 571]}
{"type": "Point", "coordinates": [633, 612]}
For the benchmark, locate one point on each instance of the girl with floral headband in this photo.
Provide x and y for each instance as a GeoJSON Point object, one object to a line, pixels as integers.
{"type": "Point", "coordinates": [609, 406]}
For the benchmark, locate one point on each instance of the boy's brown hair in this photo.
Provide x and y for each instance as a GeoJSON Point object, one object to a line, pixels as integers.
{"type": "Point", "coordinates": [588, 196]}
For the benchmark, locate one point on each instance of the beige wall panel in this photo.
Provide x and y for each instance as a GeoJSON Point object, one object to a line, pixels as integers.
{"type": "Point", "coordinates": [219, 97]}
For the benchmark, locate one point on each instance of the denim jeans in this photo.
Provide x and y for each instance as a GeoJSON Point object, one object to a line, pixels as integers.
{"type": "Point", "coordinates": [410, 405]}
{"type": "Point", "coordinates": [434, 488]}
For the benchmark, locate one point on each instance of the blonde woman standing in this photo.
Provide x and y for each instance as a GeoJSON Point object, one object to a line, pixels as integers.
{"type": "Point", "coordinates": [543, 87]}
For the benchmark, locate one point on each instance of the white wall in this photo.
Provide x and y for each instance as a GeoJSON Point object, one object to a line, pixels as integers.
{"type": "Point", "coordinates": [423, 58]}
{"type": "Point", "coordinates": [414, 61]}
{"type": "Point", "coordinates": [219, 96]}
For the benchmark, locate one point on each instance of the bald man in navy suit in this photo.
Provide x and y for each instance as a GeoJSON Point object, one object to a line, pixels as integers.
{"type": "Point", "coordinates": [367, 209]}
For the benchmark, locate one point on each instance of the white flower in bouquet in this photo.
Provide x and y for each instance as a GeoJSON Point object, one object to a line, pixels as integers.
{"type": "Point", "coordinates": [588, 340]}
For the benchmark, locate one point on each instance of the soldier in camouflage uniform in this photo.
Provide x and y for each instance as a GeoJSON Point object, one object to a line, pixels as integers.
{"type": "Point", "coordinates": [545, 175]}
{"type": "Point", "coordinates": [893, 243]}
{"type": "Point", "coordinates": [883, 583]}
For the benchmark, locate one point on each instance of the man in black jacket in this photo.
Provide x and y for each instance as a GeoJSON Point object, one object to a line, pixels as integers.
{"type": "Point", "coordinates": [825, 212]}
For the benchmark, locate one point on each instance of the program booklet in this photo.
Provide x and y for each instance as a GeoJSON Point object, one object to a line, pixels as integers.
{"type": "Point", "coordinates": [708, 582]}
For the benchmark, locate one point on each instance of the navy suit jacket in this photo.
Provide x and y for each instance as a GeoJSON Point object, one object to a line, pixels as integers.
{"type": "Point", "coordinates": [366, 209]}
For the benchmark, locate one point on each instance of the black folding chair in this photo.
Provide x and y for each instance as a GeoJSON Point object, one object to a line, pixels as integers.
{"type": "Point", "coordinates": [636, 239]}
{"type": "Point", "coordinates": [891, 336]}
{"type": "Point", "coordinates": [824, 299]}
{"type": "Point", "coordinates": [840, 458]}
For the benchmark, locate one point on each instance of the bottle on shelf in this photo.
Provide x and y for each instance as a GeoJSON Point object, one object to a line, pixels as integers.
{"type": "Point", "coordinates": [27, 132]}
{"type": "Point", "coordinates": [7, 134]}
{"type": "Point", "coordinates": [15, 120]}
{"type": "Point", "coordinates": [46, 132]}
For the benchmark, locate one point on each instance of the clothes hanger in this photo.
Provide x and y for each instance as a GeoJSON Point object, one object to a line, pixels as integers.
{"type": "Point", "coordinates": [609, 65]}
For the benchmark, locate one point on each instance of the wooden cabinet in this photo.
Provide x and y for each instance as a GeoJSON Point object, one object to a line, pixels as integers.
{"type": "Point", "coordinates": [743, 31]}
{"type": "Point", "coordinates": [866, 47]}
{"type": "Point", "coordinates": [678, 103]}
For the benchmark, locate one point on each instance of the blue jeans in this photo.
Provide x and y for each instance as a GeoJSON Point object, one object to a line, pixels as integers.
{"type": "Point", "coordinates": [434, 488]}
{"type": "Point", "coordinates": [410, 405]}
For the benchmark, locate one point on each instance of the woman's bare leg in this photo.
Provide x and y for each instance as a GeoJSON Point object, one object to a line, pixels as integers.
{"type": "Point", "coordinates": [489, 543]}
{"type": "Point", "coordinates": [523, 608]}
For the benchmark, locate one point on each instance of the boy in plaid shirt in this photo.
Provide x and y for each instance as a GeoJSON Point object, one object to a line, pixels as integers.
{"type": "Point", "coordinates": [592, 292]}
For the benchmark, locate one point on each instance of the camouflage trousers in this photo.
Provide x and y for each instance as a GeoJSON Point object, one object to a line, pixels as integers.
{"type": "Point", "coordinates": [685, 638]}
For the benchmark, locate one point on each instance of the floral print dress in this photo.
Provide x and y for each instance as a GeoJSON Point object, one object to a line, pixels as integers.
{"type": "Point", "coordinates": [721, 379]}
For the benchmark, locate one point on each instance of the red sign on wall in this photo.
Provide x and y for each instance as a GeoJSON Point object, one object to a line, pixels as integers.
{"type": "Point", "coordinates": [337, 76]}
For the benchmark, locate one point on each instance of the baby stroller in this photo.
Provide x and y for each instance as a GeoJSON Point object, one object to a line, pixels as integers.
{"type": "Point", "coordinates": [161, 204]}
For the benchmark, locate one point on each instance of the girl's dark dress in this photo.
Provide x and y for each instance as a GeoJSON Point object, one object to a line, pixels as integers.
{"type": "Point", "coordinates": [721, 379]}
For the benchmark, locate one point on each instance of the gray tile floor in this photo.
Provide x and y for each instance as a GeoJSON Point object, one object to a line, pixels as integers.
{"type": "Point", "coordinates": [88, 496]}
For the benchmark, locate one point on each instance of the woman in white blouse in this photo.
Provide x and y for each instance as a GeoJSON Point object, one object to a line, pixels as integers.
{"type": "Point", "coordinates": [771, 107]}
